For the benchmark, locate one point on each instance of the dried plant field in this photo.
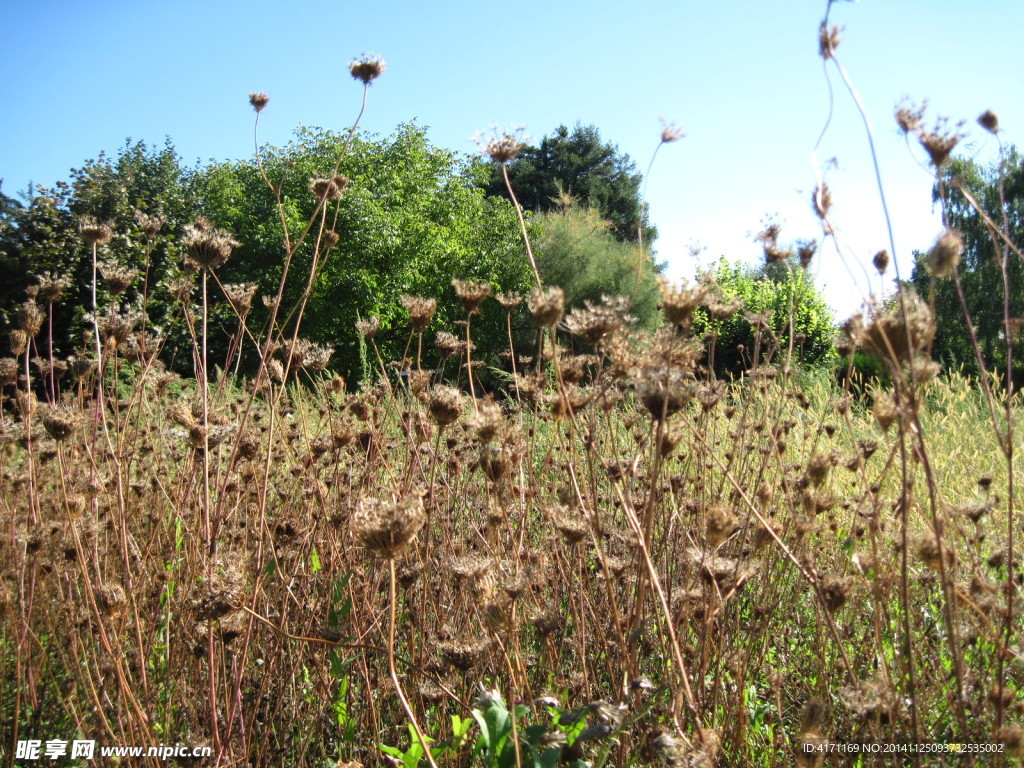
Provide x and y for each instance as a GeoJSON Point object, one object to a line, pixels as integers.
{"type": "Point", "coordinates": [600, 555]}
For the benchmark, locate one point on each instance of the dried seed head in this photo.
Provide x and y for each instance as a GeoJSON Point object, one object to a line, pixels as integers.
{"type": "Point", "coordinates": [51, 286]}
{"type": "Point", "coordinates": [111, 599]}
{"type": "Point", "coordinates": [207, 247]}
{"type": "Point", "coordinates": [368, 328]}
{"type": "Point", "coordinates": [546, 305]}
{"type": "Point", "coordinates": [367, 68]}
{"type": "Point", "coordinates": [509, 300]}
{"type": "Point", "coordinates": [680, 302]}
{"type": "Point", "coordinates": [329, 189]}
{"type": "Point", "coordinates": [721, 522]}
{"type": "Point", "coordinates": [898, 334]}
{"type": "Point", "coordinates": [118, 279]}
{"type": "Point", "coordinates": [835, 590]}
{"type": "Point", "coordinates": [150, 225]}
{"type": "Point", "coordinates": [670, 132]}
{"type": "Point", "coordinates": [805, 252]}
{"type": "Point", "coordinates": [471, 294]}
{"type": "Point", "coordinates": [487, 421]}
{"type": "Point", "coordinates": [828, 40]}
{"type": "Point", "coordinates": [30, 318]}
{"type": "Point", "coordinates": [240, 295]}
{"type": "Point", "coordinates": [386, 528]}
{"type": "Point", "coordinates": [420, 310]}
{"type": "Point", "coordinates": [989, 121]}
{"type": "Point", "coordinates": [821, 200]}
{"type": "Point", "coordinates": [502, 148]}
{"type": "Point", "coordinates": [596, 321]}
{"type": "Point", "coordinates": [258, 100]}
{"type": "Point", "coordinates": [909, 116]}
{"type": "Point", "coordinates": [944, 256]}
{"type": "Point", "coordinates": [663, 390]}
{"type": "Point", "coordinates": [95, 232]}
{"type": "Point", "coordinates": [59, 422]}
{"type": "Point", "coordinates": [885, 410]}
{"type": "Point", "coordinates": [444, 404]}
{"type": "Point", "coordinates": [940, 141]}
{"type": "Point", "coordinates": [447, 344]}
{"type": "Point", "coordinates": [881, 261]}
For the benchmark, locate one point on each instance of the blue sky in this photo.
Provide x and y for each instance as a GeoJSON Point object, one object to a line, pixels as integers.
{"type": "Point", "coordinates": [742, 78]}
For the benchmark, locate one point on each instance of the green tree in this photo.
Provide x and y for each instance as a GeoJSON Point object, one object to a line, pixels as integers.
{"type": "Point", "coordinates": [980, 268]}
{"type": "Point", "coordinates": [42, 234]}
{"type": "Point", "coordinates": [580, 164]}
{"type": "Point", "coordinates": [413, 217]}
{"type": "Point", "coordinates": [796, 311]}
{"type": "Point", "coordinates": [577, 251]}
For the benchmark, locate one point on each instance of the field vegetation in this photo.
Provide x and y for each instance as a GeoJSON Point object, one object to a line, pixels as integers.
{"type": "Point", "coordinates": [353, 502]}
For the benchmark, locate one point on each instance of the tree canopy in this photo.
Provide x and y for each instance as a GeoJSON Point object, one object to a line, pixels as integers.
{"type": "Point", "coordinates": [980, 268]}
{"type": "Point", "coordinates": [412, 218]}
{"type": "Point", "coordinates": [580, 164]}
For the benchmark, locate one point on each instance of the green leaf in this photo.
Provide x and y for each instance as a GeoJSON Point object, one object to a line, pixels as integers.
{"type": "Point", "coordinates": [314, 560]}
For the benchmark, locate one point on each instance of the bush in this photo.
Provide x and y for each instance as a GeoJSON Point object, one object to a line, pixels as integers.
{"type": "Point", "coordinates": [798, 314]}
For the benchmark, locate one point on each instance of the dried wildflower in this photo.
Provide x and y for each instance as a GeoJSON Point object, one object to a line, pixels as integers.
{"type": "Point", "coordinates": [721, 522]}
{"type": "Point", "coordinates": [444, 404]}
{"type": "Point", "coordinates": [509, 300]}
{"type": "Point", "coordinates": [367, 68]}
{"type": "Point", "coordinates": [546, 305]}
{"type": "Point", "coordinates": [910, 116]}
{"type": "Point", "coordinates": [240, 295]}
{"type": "Point", "coordinates": [805, 252]}
{"type": "Point", "coordinates": [118, 279]}
{"type": "Point", "coordinates": [258, 100]}
{"type": "Point", "coordinates": [487, 420]}
{"type": "Point", "coordinates": [368, 328]}
{"type": "Point", "coordinates": [596, 321]}
{"type": "Point", "coordinates": [386, 528]}
{"type": "Point", "coordinates": [94, 232]}
{"type": "Point", "coordinates": [663, 390]}
{"type": "Point", "coordinates": [1011, 736]}
{"type": "Point", "coordinates": [502, 148]}
{"type": "Point", "coordinates": [898, 334]}
{"type": "Point", "coordinates": [149, 224]}
{"type": "Point", "coordinates": [570, 524]}
{"type": "Point", "coordinates": [111, 599]}
{"type": "Point", "coordinates": [989, 121]}
{"type": "Point", "coordinates": [828, 40]}
{"type": "Point", "coordinates": [318, 356]}
{"type": "Point", "coordinates": [8, 370]}
{"type": "Point", "coordinates": [670, 132]}
{"type": "Point", "coordinates": [944, 256]}
{"type": "Point", "coordinates": [821, 200]}
{"type": "Point", "coordinates": [329, 189]}
{"type": "Point", "coordinates": [59, 422]}
{"type": "Point", "coordinates": [940, 141]}
{"type": "Point", "coordinates": [933, 554]}
{"type": "Point", "coordinates": [835, 590]}
{"type": "Point", "coordinates": [51, 286]}
{"type": "Point", "coordinates": [420, 310]}
{"type": "Point", "coordinates": [30, 318]}
{"type": "Point", "coordinates": [461, 655]}
{"type": "Point", "coordinates": [679, 303]}
{"type": "Point", "coordinates": [471, 294]}
{"type": "Point", "coordinates": [207, 247]}
{"type": "Point", "coordinates": [881, 261]}
{"type": "Point", "coordinates": [447, 344]}
{"type": "Point", "coordinates": [818, 468]}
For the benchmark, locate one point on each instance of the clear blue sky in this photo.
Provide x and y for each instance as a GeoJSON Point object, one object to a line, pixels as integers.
{"type": "Point", "coordinates": [742, 78]}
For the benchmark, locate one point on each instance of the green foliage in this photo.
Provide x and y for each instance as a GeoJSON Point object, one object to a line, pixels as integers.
{"type": "Point", "coordinates": [579, 164]}
{"type": "Point", "coordinates": [42, 235]}
{"type": "Point", "coordinates": [413, 218]}
{"type": "Point", "coordinates": [797, 311]}
{"type": "Point", "coordinates": [577, 250]}
{"type": "Point", "coordinates": [980, 270]}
